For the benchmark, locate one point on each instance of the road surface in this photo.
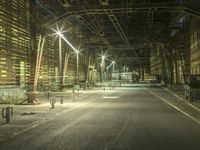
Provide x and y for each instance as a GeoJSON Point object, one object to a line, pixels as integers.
{"type": "Point", "coordinates": [125, 119]}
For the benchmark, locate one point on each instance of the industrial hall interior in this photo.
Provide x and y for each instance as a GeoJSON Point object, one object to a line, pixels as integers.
{"type": "Point", "coordinates": [51, 43]}
{"type": "Point", "coordinates": [110, 71]}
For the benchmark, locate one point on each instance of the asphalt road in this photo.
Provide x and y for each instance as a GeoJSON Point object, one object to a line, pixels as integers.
{"type": "Point", "coordinates": [132, 119]}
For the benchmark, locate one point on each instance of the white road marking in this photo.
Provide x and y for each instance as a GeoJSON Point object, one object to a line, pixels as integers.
{"type": "Point", "coordinates": [183, 100]}
{"type": "Point", "coordinates": [123, 127]}
{"type": "Point", "coordinates": [164, 100]}
{"type": "Point", "coordinates": [110, 97]}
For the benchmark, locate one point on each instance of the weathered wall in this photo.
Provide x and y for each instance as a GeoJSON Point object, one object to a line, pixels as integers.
{"type": "Point", "coordinates": [14, 42]}
{"type": "Point", "coordinates": [195, 46]}
{"type": "Point", "coordinates": [18, 47]}
{"type": "Point", "coordinates": [181, 56]}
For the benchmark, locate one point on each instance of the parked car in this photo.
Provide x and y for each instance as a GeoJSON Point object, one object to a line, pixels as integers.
{"type": "Point", "coordinates": [192, 88]}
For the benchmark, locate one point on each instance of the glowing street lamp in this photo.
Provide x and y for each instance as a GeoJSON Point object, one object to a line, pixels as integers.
{"type": "Point", "coordinates": [77, 66]}
{"type": "Point", "coordinates": [61, 36]}
{"type": "Point", "coordinates": [102, 60]}
{"type": "Point", "coordinates": [59, 33]}
{"type": "Point", "coordinates": [113, 63]}
{"type": "Point", "coordinates": [102, 65]}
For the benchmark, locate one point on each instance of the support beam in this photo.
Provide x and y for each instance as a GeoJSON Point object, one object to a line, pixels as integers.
{"type": "Point", "coordinates": [141, 8]}
{"type": "Point", "coordinates": [38, 62]}
{"type": "Point", "coordinates": [98, 31]}
{"type": "Point", "coordinates": [122, 34]}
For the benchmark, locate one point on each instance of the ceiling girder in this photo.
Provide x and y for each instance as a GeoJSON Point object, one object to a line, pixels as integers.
{"type": "Point", "coordinates": [142, 58]}
{"type": "Point", "coordinates": [98, 33]}
{"type": "Point", "coordinates": [193, 12]}
{"type": "Point", "coordinates": [131, 48]}
{"type": "Point", "coordinates": [122, 34]}
{"type": "Point", "coordinates": [118, 11]}
{"type": "Point", "coordinates": [89, 26]}
{"type": "Point", "coordinates": [119, 29]}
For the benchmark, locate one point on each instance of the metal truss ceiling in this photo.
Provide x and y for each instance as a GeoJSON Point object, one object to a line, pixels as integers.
{"type": "Point", "coordinates": [126, 28]}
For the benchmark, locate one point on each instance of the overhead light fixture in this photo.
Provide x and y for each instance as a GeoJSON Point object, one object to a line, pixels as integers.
{"type": "Point", "coordinates": [112, 63]}
{"type": "Point", "coordinates": [104, 2]}
{"type": "Point", "coordinates": [64, 3]}
{"type": "Point", "coordinates": [59, 32]}
{"type": "Point", "coordinates": [102, 59]}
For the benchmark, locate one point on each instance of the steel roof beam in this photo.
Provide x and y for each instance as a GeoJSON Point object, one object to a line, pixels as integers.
{"type": "Point", "coordinates": [118, 28]}
{"type": "Point", "coordinates": [122, 34]}
{"type": "Point", "coordinates": [98, 33]}
{"type": "Point", "coordinates": [117, 11]}
{"type": "Point", "coordinates": [141, 8]}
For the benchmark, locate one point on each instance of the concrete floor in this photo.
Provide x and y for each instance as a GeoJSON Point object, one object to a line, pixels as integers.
{"type": "Point", "coordinates": [123, 118]}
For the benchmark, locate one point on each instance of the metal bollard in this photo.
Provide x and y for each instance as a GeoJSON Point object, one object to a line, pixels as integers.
{"type": "Point", "coordinates": [73, 97]}
{"type": "Point", "coordinates": [7, 112]}
{"type": "Point", "coordinates": [61, 99]}
{"type": "Point", "coordinates": [52, 102]}
{"type": "Point", "coordinates": [48, 95]}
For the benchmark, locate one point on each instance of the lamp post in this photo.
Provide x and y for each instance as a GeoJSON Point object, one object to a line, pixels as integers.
{"type": "Point", "coordinates": [77, 66]}
{"type": "Point", "coordinates": [60, 63]}
{"type": "Point", "coordinates": [127, 74]}
{"type": "Point", "coordinates": [127, 69]}
{"type": "Point", "coordinates": [107, 74]}
{"type": "Point", "coordinates": [112, 70]}
{"type": "Point", "coordinates": [113, 63]}
{"type": "Point", "coordinates": [102, 65]}
{"type": "Point", "coordinates": [61, 36]}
